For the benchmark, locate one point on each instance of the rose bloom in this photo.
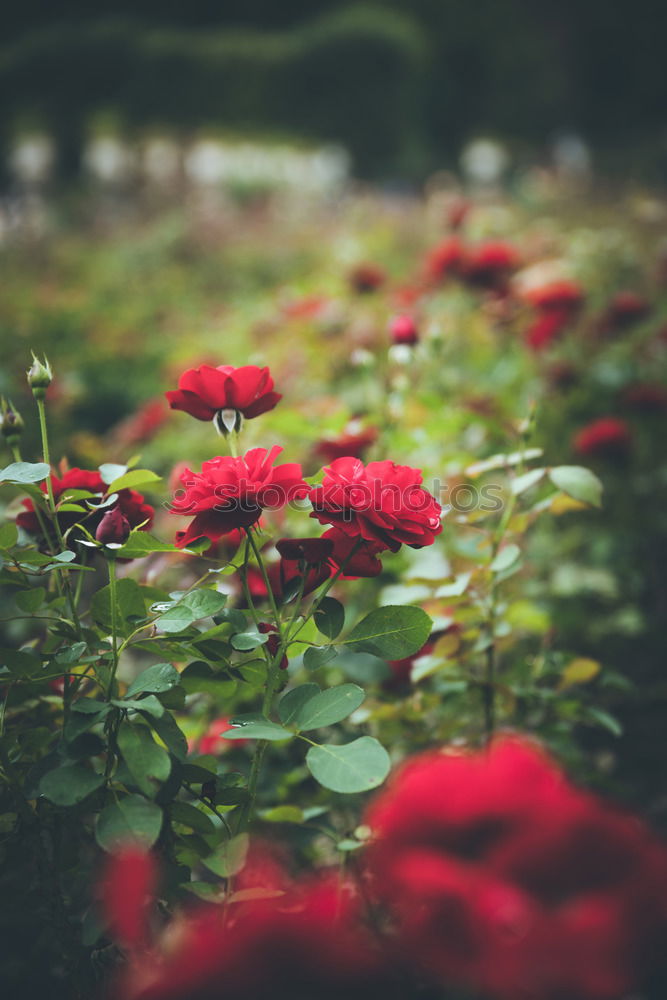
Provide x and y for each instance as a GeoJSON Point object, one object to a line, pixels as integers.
{"type": "Point", "coordinates": [556, 295]}
{"type": "Point", "coordinates": [231, 493]}
{"type": "Point", "coordinates": [211, 741]}
{"type": "Point", "coordinates": [625, 309]}
{"type": "Point", "coordinates": [504, 878]}
{"type": "Point", "coordinates": [646, 397]}
{"type": "Point", "coordinates": [381, 502]}
{"type": "Point", "coordinates": [444, 260]}
{"type": "Point", "coordinates": [207, 392]}
{"type": "Point", "coordinates": [300, 942]}
{"type": "Point", "coordinates": [142, 426]}
{"type": "Point", "coordinates": [403, 330]}
{"type": "Point", "coordinates": [607, 437]}
{"type": "Point", "coordinates": [490, 264]}
{"type": "Point", "coordinates": [353, 440]}
{"type": "Point", "coordinates": [130, 504]}
{"type": "Point", "coordinates": [364, 278]}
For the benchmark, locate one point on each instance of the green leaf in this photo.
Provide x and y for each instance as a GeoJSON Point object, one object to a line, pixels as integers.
{"type": "Point", "coordinates": [330, 617]}
{"type": "Point", "coordinates": [328, 707]}
{"type": "Point", "coordinates": [151, 705]}
{"type": "Point", "coordinates": [131, 820]}
{"type": "Point", "coordinates": [229, 857]}
{"type": "Point", "coordinates": [188, 815]}
{"type": "Point", "coordinates": [350, 767]}
{"type": "Point", "coordinates": [507, 556]}
{"type": "Point", "coordinates": [30, 600]}
{"type": "Point", "coordinates": [110, 471]}
{"type": "Point", "coordinates": [199, 678]}
{"type": "Point", "coordinates": [20, 662]}
{"type": "Point", "coordinates": [156, 679]}
{"type": "Point", "coordinates": [255, 727]}
{"type": "Point", "coordinates": [141, 543]}
{"type": "Point", "coordinates": [579, 483]}
{"type": "Point", "coordinates": [317, 656]}
{"type": "Point", "coordinates": [129, 603]}
{"type": "Point", "coordinates": [24, 472]}
{"type": "Point", "coordinates": [70, 784]}
{"type": "Point", "coordinates": [198, 604]}
{"type": "Point", "coordinates": [393, 632]}
{"type": "Point", "coordinates": [605, 720]}
{"type": "Point", "coordinates": [283, 814]}
{"type": "Point", "coordinates": [133, 480]}
{"type": "Point", "coordinates": [529, 479]}
{"type": "Point", "coordinates": [147, 762]}
{"type": "Point", "coordinates": [293, 700]}
{"type": "Point", "coordinates": [248, 640]}
{"type": "Point", "coordinates": [9, 535]}
{"type": "Point", "coordinates": [171, 735]}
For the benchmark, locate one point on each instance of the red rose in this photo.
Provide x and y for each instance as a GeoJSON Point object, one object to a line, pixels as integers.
{"type": "Point", "coordinates": [646, 397]}
{"type": "Point", "coordinates": [444, 260]}
{"type": "Point", "coordinates": [366, 278]}
{"type": "Point", "coordinates": [294, 943]}
{"type": "Point", "coordinates": [114, 528]}
{"type": "Point", "coordinates": [212, 741]}
{"type": "Point", "coordinates": [557, 295]}
{"type": "Point", "coordinates": [130, 504]}
{"type": "Point", "coordinates": [403, 330]}
{"type": "Point", "coordinates": [231, 493]}
{"type": "Point", "coordinates": [381, 502]}
{"type": "Point", "coordinates": [490, 264]}
{"type": "Point", "coordinates": [547, 328]}
{"type": "Point", "coordinates": [127, 889]}
{"type": "Point", "coordinates": [142, 425]}
{"type": "Point", "coordinates": [604, 438]}
{"type": "Point", "coordinates": [206, 393]}
{"type": "Point", "coordinates": [356, 558]}
{"type": "Point", "coordinates": [504, 878]}
{"type": "Point", "coordinates": [354, 440]}
{"type": "Point", "coordinates": [625, 309]}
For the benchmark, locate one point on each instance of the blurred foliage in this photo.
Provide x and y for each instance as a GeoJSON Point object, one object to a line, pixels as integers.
{"type": "Point", "coordinates": [402, 83]}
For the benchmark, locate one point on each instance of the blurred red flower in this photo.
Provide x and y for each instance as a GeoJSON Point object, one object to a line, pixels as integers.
{"type": "Point", "coordinates": [366, 277]}
{"type": "Point", "coordinates": [230, 493]}
{"type": "Point", "coordinates": [490, 264]}
{"type": "Point", "coordinates": [127, 889]}
{"type": "Point", "coordinates": [607, 437]}
{"type": "Point", "coordinates": [130, 505]}
{"type": "Point", "coordinates": [381, 502]}
{"type": "Point", "coordinates": [444, 260]}
{"type": "Point", "coordinates": [403, 330]}
{"type": "Point", "coordinates": [296, 943]}
{"type": "Point", "coordinates": [352, 441]}
{"type": "Point", "coordinates": [206, 391]}
{"type": "Point", "coordinates": [504, 878]}
{"type": "Point", "coordinates": [625, 309]}
{"type": "Point", "coordinates": [646, 397]}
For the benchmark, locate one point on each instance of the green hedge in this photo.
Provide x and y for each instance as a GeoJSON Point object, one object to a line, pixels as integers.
{"type": "Point", "coordinates": [354, 76]}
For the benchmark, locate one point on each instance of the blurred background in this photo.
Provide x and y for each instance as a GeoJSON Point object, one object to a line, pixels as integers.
{"type": "Point", "coordinates": [399, 85]}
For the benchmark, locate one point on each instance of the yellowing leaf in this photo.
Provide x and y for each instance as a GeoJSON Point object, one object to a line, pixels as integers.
{"type": "Point", "coordinates": [579, 671]}
{"type": "Point", "coordinates": [563, 504]}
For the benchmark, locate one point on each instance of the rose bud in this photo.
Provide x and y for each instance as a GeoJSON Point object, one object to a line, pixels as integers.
{"type": "Point", "coordinates": [114, 528]}
{"type": "Point", "coordinates": [403, 330]}
{"type": "Point", "coordinates": [273, 644]}
{"type": "Point", "coordinates": [11, 423]}
{"type": "Point", "coordinates": [40, 377]}
{"type": "Point", "coordinates": [308, 550]}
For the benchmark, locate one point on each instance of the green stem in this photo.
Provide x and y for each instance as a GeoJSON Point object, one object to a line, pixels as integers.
{"type": "Point", "coordinates": [265, 577]}
{"type": "Point", "coordinates": [114, 636]}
